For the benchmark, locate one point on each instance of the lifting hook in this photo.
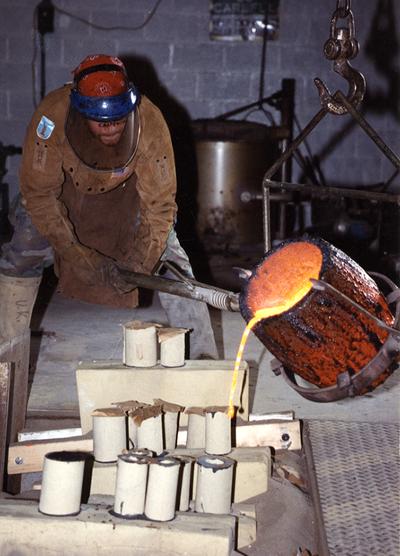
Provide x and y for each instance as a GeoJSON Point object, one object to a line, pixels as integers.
{"type": "Point", "coordinates": [340, 48]}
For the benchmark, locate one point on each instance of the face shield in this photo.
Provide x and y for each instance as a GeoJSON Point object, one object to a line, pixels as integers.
{"type": "Point", "coordinates": [92, 152]}
{"type": "Point", "coordinates": [101, 94]}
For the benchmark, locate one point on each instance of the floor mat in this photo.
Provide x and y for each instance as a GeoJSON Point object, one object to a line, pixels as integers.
{"type": "Point", "coordinates": [354, 469]}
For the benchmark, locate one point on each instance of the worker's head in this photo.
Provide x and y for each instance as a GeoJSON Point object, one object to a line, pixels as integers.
{"type": "Point", "coordinates": [103, 102]}
{"type": "Point", "coordinates": [101, 89]}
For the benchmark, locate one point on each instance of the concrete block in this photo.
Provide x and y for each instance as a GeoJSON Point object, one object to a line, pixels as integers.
{"type": "Point", "coordinates": [304, 57]}
{"type": "Point", "coordinates": [76, 49]}
{"type": "Point", "coordinates": [140, 8]}
{"type": "Point", "coordinates": [247, 524]}
{"type": "Point", "coordinates": [18, 76]}
{"type": "Point", "coordinates": [95, 532]}
{"type": "Point", "coordinates": [252, 472]}
{"type": "Point", "coordinates": [18, 109]}
{"type": "Point", "coordinates": [68, 26]}
{"type": "Point", "coordinates": [58, 76]}
{"type": "Point", "coordinates": [156, 52]}
{"type": "Point", "coordinates": [173, 28]}
{"type": "Point", "coordinates": [109, 16]}
{"type": "Point", "coordinates": [197, 383]}
{"type": "Point", "coordinates": [297, 28]}
{"type": "Point", "coordinates": [193, 7]}
{"type": "Point", "coordinates": [240, 56]}
{"type": "Point", "coordinates": [16, 54]}
{"type": "Point", "coordinates": [224, 86]}
{"type": "Point", "coordinates": [199, 107]}
{"type": "Point", "coordinates": [181, 82]}
{"type": "Point", "coordinates": [16, 19]}
{"type": "Point", "coordinates": [3, 49]}
{"type": "Point", "coordinates": [206, 58]}
{"type": "Point", "coordinates": [54, 44]}
{"type": "Point", "coordinates": [3, 104]}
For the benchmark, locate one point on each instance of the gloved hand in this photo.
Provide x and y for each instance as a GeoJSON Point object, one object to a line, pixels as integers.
{"type": "Point", "coordinates": [93, 269]}
{"type": "Point", "coordinates": [115, 279]}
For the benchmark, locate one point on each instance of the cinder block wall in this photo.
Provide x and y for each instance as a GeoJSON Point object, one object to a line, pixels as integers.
{"type": "Point", "coordinates": [173, 59]}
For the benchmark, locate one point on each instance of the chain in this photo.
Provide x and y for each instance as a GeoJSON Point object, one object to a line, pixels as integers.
{"type": "Point", "coordinates": [343, 8]}
{"type": "Point", "coordinates": [343, 12]}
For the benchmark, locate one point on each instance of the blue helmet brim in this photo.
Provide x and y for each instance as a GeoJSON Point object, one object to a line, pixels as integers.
{"type": "Point", "coordinates": [105, 109]}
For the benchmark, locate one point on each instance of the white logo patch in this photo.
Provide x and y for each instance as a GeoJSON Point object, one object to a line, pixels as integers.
{"type": "Point", "coordinates": [45, 128]}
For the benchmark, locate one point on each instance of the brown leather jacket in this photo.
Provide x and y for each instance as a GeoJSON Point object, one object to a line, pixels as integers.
{"type": "Point", "coordinates": [125, 214]}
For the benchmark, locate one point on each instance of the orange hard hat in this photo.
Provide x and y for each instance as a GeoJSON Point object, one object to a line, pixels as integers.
{"type": "Point", "coordinates": [108, 78]}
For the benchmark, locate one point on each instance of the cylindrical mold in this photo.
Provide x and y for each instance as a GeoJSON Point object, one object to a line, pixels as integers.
{"type": "Point", "coordinates": [162, 489]}
{"type": "Point", "coordinates": [130, 488]}
{"type": "Point", "coordinates": [139, 453]}
{"type": "Point", "coordinates": [184, 483]}
{"type": "Point", "coordinates": [132, 433]}
{"type": "Point", "coordinates": [150, 434]}
{"type": "Point", "coordinates": [214, 484]}
{"type": "Point", "coordinates": [172, 346]}
{"type": "Point", "coordinates": [140, 344]}
{"type": "Point", "coordinates": [109, 434]}
{"type": "Point", "coordinates": [218, 431]}
{"type": "Point", "coordinates": [62, 481]}
{"type": "Point", "coordinates": [314, 331]}
{"type": "Point", "coordinates": [170, 422]}
{"type": "Point", "coordinates": [196, 432]}
{"type": "Point", "coordinates": [128, 407]}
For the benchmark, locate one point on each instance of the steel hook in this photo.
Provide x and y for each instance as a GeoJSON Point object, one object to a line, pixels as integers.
{"type": "Point", "coordinates": [340, 48]}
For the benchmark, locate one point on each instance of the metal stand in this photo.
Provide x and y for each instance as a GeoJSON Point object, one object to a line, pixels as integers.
{"type": "Point", "coordinates": [317, 191]}
{"type": "Point", "coordinates": [283, 101]}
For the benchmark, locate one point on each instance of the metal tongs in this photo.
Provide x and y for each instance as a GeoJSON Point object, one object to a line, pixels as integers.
{"type": "Point", "coordinates": [183, 287]}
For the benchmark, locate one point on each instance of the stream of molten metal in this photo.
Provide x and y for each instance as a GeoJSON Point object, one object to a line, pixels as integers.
{"type": "Point", "coordinates": [279, 306]}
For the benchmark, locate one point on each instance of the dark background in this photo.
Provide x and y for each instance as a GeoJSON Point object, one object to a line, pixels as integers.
{"type": "Point", "coordinates": [173, 61]}
{"type": "Point", "coordinates": [205, 78]}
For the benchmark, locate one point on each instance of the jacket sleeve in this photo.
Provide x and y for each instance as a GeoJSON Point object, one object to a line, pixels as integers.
{"type": "Point", "coordinates": [42, 176]}
{"type": "Point", "coordinates": [156, 185]}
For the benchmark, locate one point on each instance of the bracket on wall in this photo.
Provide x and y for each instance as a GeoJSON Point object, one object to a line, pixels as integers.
{"type": "Point", "coordinates": [244, 20]}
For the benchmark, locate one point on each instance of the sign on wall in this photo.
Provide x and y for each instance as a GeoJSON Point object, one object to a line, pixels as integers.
{"type": "Point", "coordinates": [243, 20]}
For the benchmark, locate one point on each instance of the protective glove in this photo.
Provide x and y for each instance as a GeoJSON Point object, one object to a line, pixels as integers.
{"type": "Point", "coordinates": [115, 279]}
{"type": "Point", "coordinates": [94, 269]}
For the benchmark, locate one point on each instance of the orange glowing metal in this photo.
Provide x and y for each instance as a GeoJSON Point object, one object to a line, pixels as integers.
{"type": "Point", "coordinates": [314, 332]}
{"type": "Point", "coordinates": [285, 282]}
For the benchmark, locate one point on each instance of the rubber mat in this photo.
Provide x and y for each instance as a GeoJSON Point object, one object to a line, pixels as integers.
{"type": "Point", "coordinates": [355, 481]}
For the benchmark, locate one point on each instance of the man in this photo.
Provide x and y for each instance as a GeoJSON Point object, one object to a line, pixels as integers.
{"type": "Point", "coordinates": [98, 189]}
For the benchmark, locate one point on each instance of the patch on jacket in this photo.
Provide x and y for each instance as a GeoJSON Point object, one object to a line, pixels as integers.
{"type": "Point", "coordinates": [45, 128]}
{"type": "Point", "coordinates": [39, 157]}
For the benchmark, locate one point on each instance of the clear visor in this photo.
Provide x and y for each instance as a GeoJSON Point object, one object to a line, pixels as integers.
{"type": "Point", "coordinates": [92, 152]}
